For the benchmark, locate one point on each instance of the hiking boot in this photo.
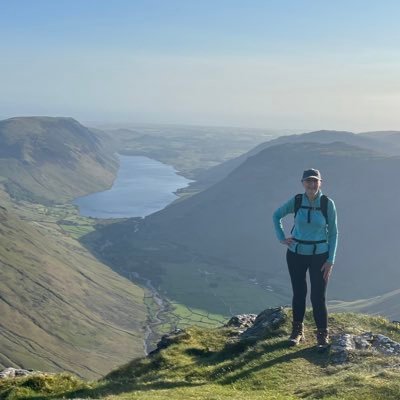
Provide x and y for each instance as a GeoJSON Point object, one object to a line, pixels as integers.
{"type": "Point", "coordinates": [322, 340]}
{"type": "Point", "coordinates": [297, 335]}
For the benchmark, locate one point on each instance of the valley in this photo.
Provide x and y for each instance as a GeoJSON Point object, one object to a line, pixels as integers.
{"type": "Point", "coordinates": [207, 256]}
{"type": "Point", "coordinates": [35, 191]}
{"type": "Point", "coordinates": [153, 244]}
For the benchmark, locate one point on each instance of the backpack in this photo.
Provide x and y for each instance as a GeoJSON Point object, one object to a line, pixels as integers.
{"type": "Point", "coordinates": [324, 210]}
{"type": "Point", "coordinates": [323, 206]}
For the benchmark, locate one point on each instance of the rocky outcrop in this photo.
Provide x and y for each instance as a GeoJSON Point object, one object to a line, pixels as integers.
{"type": "Point", "coordinates": [241, 321]}
{"type": "Point", "coordinates": [344, 344]}
{"type": "Point", "coordinates": [170, 338]}
{"type": "Point", "coordinates": [16, 372]}
{"type": "Point", "coordinates": [266, 323]}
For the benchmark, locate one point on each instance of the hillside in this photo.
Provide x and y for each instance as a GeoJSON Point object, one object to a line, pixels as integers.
{"type": "Point", "coordinates": [221, 242]}
{"type": "Point", "coordinates": [44, 159]}
{"type": "Point", "coordinates": [189, 149]}
{"type": "Point", "coordinates": [224, 364]}
{"type": "Point", "coordinates": [61, 309]}
{"type": "Point", "coordinates": [384, 142]}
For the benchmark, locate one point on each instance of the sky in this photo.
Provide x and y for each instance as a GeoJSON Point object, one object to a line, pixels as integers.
{"type": "Point", "coordinates": [274, 64]}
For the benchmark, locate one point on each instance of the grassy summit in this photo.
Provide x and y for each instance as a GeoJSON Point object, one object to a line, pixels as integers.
{"type": "Point", "coordinates": [211, 364]}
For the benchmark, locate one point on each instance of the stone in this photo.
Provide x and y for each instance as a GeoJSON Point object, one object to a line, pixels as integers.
{"type": "Point", "coordinates": [16, 372]}
{"type": "Point", "coordinates": [385, 345]}
{"type": "Point", "coordinates": [340, 347]}
{"type": "Point", "coordinates": [170, 338]}
{"type": "Point", "coordinates": [267, 322]}
{"type": "Point", "coordinates": [241, 321]}
{"type": "Point", "coordinates": [343, 344]}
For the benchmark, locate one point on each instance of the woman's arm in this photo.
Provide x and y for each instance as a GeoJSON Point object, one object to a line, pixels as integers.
{"type": "Point", "coordinates": [332, 231]}
{"type": "Point", "coordinates": [287, 208]}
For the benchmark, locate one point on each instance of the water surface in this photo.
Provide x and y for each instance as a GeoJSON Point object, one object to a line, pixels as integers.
{"type": "Point", "coordinates": [142, 186]}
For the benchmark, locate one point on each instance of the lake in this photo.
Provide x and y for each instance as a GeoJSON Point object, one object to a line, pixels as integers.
{"type": "Point", "coordinates": [142, 187]}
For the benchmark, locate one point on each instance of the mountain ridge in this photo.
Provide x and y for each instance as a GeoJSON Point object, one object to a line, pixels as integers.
{"type": "Point", "coordinates": [40, 157]}
{"type": "Point", "coordinates": [370, 140]}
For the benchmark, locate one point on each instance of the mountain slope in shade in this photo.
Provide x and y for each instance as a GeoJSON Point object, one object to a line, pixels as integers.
{"type": "Point", "coordinates": [384, 142]}
{"type": "Point", "coordinates": [60, 308]}
{"type": "Point", "coordinates": [44, 159]}
{"type": "Point", "coordinates": [230, 224]}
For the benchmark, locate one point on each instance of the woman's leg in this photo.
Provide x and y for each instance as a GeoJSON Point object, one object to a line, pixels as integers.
{"type": "Point", "coordinates": [318, 291]}
{"type": "Point", "coordinates": [297, 265]}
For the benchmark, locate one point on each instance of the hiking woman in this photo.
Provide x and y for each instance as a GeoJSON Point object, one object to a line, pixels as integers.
{"type": "Point", "coordinates": [312, 247]}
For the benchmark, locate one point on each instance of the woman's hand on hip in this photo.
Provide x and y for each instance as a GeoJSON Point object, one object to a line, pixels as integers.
{"type": "Point", "coordinates": [327, 270]}
{"type": "Point", "coordinates": [288, 241]}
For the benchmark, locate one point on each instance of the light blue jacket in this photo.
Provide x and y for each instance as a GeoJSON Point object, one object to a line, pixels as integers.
{"type": "Point", "coordinates": [315, 230]}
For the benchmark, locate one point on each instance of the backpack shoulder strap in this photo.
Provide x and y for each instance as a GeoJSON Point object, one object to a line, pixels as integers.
{"type": "Point", "coordinates": [324, 206]}
{"type": "Point", "coordinates": [297, 203]}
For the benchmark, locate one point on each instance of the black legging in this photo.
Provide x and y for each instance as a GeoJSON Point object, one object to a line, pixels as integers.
{"type": "Point", "coordinates": [298, 265]}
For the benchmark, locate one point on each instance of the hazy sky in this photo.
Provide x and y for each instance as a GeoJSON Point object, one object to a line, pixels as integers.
{"type": "Point", "coordinates": [273, 63]}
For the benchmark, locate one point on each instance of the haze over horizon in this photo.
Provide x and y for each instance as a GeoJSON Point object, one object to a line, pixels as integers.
{"type": "Point", "coordinates": [276, 65]}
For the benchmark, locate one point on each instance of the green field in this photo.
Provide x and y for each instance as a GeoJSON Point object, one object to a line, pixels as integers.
{"type": "Point", "coordinates": [65, 216]}
{"type": "Point", "coordinates": [221, 291]}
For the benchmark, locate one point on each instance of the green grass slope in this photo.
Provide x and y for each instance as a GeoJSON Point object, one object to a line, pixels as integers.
{"type": "Point", "coordinates": [181, 275]}
{"type": "Point", "coordinates": [61, 309]}
{"type": "Point", "coordinates": [45, 159]}
{"type": "Point", "coordinates": [209, 364]}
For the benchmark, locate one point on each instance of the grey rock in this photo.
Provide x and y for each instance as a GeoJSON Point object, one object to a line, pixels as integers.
{"type": "Point", "coordinates": [242, 321]}
{"type": "Point", "coordinates": [267, 322]}
{"type": "Point", "coordinates": [16, 372]}
{"type": "Point", "coordinates": [170, 338]}
{"type": "Point", "coordinates": [344, 343]}
{"type": "Point", "coordinates": [386, 345]}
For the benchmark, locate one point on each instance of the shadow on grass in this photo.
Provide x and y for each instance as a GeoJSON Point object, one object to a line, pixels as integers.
{"type": "Point", "coordinates": [113, 388]}
{"type": "Point", "coordinates": [234, 349]}
{"type": "Point", "coordinates": [237, 355]}
{"type": "Point", "coordinates": [235, 361]}
{"type": "Point", "coordinates": [309, 353]}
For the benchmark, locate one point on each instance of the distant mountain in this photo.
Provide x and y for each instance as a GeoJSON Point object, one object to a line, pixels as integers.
{"type": "Point", "coordinates": [61, 309]}
{"type": "Point", "coordinates": [386, 304]}
{"type": "Point", "coordinates": [44, 159]}
{"type": "Point", "coordinates": [385, 142]}
{"type": "Point", "coordinates": [227, 229]}
{"type": "Point", "coordinates": [189, 149]}
{"type": "Point", "coordinates": [390, 140]}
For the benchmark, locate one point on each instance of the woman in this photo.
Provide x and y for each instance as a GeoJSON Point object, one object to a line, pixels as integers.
{"type": "Point", "coordinates": [312, 247]}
